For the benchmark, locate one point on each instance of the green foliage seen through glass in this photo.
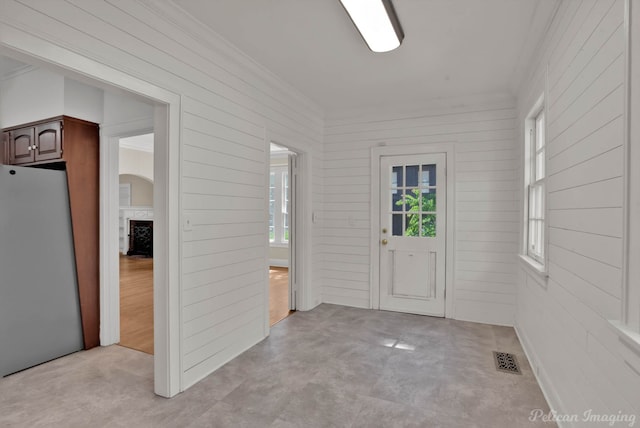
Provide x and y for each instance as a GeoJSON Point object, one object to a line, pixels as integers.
{"type": "Point", "coordinates": [413, 202]}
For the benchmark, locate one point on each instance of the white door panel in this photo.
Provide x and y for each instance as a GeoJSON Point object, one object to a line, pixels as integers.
{"type": "Point", "coordinates": [412, 233]}
{"type": "Point", "coordinates": [408, 265]}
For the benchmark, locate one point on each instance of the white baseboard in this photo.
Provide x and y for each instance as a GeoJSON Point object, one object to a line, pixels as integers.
{"type": "Point", "coordinates": [279, 262]}
{"type": "Point", "coordinates": [543, 380]}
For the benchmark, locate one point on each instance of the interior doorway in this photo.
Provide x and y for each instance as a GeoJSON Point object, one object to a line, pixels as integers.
{"type": "Point", "coordinates": [135, 238]}
{"type": "Point", "coordinates": [165, 105]}
{"type": "Point", "coordinates": [282, 195]}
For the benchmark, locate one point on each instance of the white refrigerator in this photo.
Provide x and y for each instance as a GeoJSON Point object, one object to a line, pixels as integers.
{"type": "Point", "coordinates": [39, 304]}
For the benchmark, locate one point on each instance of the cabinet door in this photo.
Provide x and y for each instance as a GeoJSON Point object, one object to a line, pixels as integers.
{"type": "Point", "coordinates": [21, 146]}
{"type": "Point", "coordinates": [48, 143]}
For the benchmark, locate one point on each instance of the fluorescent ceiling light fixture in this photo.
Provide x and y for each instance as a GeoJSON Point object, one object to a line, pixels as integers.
{"type": "Point", "coordinates": [377, 23]}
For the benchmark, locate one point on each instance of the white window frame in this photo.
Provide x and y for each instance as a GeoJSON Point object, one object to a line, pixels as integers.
{"type": "Point", "coordinates": [280, 197]}
{"type": "Point", "coordinates": [534, 249]}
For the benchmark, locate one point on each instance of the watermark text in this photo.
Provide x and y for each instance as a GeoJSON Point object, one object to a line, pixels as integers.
{"type": "Point", "coordinates": [613, 419]}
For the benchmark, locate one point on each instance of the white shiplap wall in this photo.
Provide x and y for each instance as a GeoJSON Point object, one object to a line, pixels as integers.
{"type": "Point", "coordinates": [486, 213]}
{"type": "Point", "coordinates": [562, 321]}
{"type": "Point", "coordinates": [229, 105]}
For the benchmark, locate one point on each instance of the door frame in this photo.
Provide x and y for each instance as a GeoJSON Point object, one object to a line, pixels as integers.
{"type": "Point", "coordinates": [27, 47]}
{"type": "Point", "coordinates": [109, 211]}
{"type": "Point", "coordinates": [293, 209]}
{"type": "Point", "coordinates": [303, 222]}
{"type": "Point", "coordinates": [448, 148]}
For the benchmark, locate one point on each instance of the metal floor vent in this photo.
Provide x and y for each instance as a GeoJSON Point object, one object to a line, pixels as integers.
{"type": "Point", "coordinates": [506, 362]}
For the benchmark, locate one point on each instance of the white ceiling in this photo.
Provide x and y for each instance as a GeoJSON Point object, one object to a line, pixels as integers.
{"type": "Point", "coordinates": [452, 48]}
{"type": "Point", "coordinates": [143, 143]}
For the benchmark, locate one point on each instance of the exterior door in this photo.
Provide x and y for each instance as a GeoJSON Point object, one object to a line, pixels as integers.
{"type": "Point", "coordinates": [412, 233]}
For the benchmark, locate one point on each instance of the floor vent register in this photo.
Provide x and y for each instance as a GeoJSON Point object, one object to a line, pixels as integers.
{"type": "Point", "coordinates": [506, 362]}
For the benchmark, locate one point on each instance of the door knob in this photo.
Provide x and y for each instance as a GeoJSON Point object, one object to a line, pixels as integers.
{"type": "Point", "coordinates": [384, 242]}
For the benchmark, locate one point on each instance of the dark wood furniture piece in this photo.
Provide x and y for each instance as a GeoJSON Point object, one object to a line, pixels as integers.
{"type": "Point", "coordinates": [68, 143]}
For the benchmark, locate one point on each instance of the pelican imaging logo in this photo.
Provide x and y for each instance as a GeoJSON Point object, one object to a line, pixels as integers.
{"type": "Point", "coordinates": [588, 416]}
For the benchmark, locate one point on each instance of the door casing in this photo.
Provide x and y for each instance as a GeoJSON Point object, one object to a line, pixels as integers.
{"type": "Point", "coordinates": [415, 149]}
{"type": "Point", "coordinates": [293, 209]}
{"type": "Point", "coordinates": [305, 298]}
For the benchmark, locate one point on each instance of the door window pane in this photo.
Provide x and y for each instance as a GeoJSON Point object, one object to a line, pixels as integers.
{"type": "Point", "coordinates": [397, 179]}
{"type": "Point", "coordinates": [396, 225]}
{"type": "Point", "coordinates": [412, 200]}
{"type": "Point", "coordinates": [428, 177]}
{"type": "Point", "coordinates": [429, 200]}
{"type": "Point", "coordinates": [396, 200]}
{"type": "Point", "coordinates": [412, 225]}
{"type": "Point", "coordinates": [429, 225]}
{"type": "Point", "coordinates": [412, 175]}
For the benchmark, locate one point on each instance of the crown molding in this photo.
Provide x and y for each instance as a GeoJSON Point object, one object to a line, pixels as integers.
{"type": "Point", "coordinates": [435, 106]}
{"type": "Point", "coordinates": [27, 68]}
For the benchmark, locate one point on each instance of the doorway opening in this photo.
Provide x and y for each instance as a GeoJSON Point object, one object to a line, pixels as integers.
{"type": "Point", "coordinates": [94, 93]}
{"type": "Point", "coordinates": [135, 238]}
{"type": "Point", "coordinates": [282, 191]}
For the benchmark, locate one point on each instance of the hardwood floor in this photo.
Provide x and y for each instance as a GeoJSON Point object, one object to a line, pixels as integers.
{"type": "Point", "coordinates": [278, 294]}
{"type": "Point", "coordinates": [136, 303]}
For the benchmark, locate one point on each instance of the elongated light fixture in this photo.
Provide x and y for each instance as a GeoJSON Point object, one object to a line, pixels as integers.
{"type": "Point", "coordinates": [377, 22]}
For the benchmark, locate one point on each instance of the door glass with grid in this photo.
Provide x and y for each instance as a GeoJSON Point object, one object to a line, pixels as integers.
{"type": "Point", "coordinates": [413, 200]}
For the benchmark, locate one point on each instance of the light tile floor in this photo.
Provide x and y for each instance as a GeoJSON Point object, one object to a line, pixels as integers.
{"type": "Point", "coordinates": [328, 367]}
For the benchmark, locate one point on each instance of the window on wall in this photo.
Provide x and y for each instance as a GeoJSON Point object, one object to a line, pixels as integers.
{"type": "Point", "coordinates": [278, 205]}
{"type": "Point", "coordinates": [535, 177]}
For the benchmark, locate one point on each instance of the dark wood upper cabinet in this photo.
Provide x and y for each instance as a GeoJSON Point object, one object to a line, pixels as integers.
{"type": "Point", "coordinates": [48, 141]}
{"type": "Point", "coordinates": [35, 143]}
{"type": "Point", "coordinates": [21, 146]}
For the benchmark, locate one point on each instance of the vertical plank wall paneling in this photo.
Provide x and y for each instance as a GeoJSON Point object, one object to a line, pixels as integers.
{"type": "Point", "coordinates": [229, 103]}
{"type": "Point", "coordinates": [563, 321]}
{"type": "Point", "coordinates": [486, 224]}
